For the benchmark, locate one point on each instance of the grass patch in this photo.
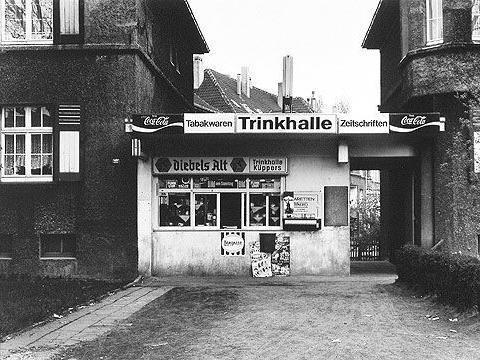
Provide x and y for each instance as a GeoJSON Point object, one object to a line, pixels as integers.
{"type": "Point", "coordinates": [25, 301]}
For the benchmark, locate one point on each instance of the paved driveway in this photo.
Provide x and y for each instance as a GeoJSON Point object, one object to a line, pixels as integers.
{"type": "Point", "coordinates": [361, 317]}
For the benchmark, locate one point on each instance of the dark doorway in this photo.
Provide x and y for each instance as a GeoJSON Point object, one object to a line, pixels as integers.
{"type": "Point", "coordinates": [399, 212]}
{"type": "Point", "coordinates": [231, 208]}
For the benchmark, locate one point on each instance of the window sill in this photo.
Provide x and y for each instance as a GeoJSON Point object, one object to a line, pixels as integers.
{"type": "Point", "coordinates": [5, 258]}
{"type": "Point", "coordinates": [434, 42]}
{"type": "Point", "coordinates": [216, 229]}
{"type": "Point", "coordinates": [58, 258]}
{"type": "Point", "coordinates": [27, 43]}
{"type": "Point", "coordinates": [18, 180]}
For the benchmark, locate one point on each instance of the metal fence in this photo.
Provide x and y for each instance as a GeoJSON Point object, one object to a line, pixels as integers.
{"type": "Point", "coordinates": [362, 248]}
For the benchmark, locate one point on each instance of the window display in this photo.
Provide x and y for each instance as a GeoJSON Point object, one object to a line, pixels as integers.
{"type": "Point", "coordinates": [225, 202]}
{"type": "Point", "coordinates": [175, 209]}
{"type": "Point", "coordinates": [205, 210]}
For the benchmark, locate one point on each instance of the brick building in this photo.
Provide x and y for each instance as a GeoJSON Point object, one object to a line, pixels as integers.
{"type": "Point", "coordinates": [430, 52]}
{"type": "Point", "coordinates": [71, 71]}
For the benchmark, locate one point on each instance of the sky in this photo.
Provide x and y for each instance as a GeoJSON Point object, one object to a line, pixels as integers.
{"type": "Point", "coordinates": [323, 36]}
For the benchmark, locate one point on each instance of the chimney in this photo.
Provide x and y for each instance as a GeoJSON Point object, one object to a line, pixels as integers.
{"type": "Point", "coordinates": [313, 102]}
{"type": "Point", "coordinates": [287, 76]}
{"type": "Point", "coordinates": [245, 82]}
{"type": "Point", "coordinates": [197, 71]}
{"type": "Point", "coordinates": [239, 84]}
{"type": "Point", "coordinates": [280, 95]}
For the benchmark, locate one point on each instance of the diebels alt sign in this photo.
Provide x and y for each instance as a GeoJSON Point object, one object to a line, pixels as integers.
{"type": "Point", "coordinates": [405, 123]}
{"type": "Point", "coordinates": [165, 124]}
{"type": "Point", "coordinates": [219, 165]}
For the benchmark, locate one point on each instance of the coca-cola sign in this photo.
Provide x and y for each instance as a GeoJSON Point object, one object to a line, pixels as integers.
{"type": "Point", "coordinates": [404, 123]}
{"type": "Point", "coordinates": [164, 123]}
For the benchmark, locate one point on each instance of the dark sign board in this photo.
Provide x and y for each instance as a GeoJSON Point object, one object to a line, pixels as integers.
{"type": "Point", "coordinates": [406, 122]}
{"type": "Point", "coordinates": [162, 123]}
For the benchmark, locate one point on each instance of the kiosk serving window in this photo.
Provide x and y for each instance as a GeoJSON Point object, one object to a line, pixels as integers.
{"type": "Point", "coordinates": [219, 202]}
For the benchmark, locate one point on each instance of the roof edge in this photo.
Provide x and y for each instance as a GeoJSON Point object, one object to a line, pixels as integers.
{"type": "Point", "coordinates": [206, 48]}
{"type": "Point", "coordinates": [374, 19]}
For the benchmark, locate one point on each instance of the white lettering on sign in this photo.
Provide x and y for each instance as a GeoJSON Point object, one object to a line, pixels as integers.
{"type": "Point", "coordinates": [282, 123]}
{"type": "Point", "coordinates": [156, 121]}
{"type": "Point", "coordinates": [219, 165]}
{"type": "Point", "coordinates": [268, 166]}
{"type": "Point", "coordinates": [414, 120]}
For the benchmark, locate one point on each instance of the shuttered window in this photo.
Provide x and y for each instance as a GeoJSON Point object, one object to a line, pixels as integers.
{"type": "Point", "coordinates": [68, 135]}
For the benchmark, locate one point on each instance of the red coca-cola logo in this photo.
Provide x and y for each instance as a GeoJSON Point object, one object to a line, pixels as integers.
{"type": "Point", "coordinates": [156, 121]}
{"type": "Point", "coordinates": [413, 120]}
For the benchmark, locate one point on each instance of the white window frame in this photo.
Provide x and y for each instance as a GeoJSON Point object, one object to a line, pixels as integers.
{"type": "Point", "coordinates": [438, 4]}
{"type": "Point", "coordinates": [245, 210]}
{"type": "Point", "coordinates": [475, 20]}
{"type": "Point", "coordinates": [28, 131]}
{"type": "Point", "coordinates": [28, 27]}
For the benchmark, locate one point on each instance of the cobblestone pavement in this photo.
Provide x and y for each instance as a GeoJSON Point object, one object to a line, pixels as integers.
{"type": "Point", "coordinates": [357, 317]}
{"type": "Point", "coordinates": [86, 324]}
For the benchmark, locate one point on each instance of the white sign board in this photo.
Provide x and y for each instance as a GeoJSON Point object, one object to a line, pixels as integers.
{"type": "Point", "coordinates": [287, 123]}
{"type": "Point", "coordinates": [199, 123]}
{"type": "Point", "coordinates": [358, 124]}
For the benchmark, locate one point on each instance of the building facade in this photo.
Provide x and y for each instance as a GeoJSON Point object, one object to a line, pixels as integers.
{"type": "Point", "coordinates": [429, 62]}
{"type": "Point", "coordinates": [71, 72]}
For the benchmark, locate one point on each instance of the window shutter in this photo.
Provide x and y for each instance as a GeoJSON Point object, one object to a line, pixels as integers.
{"type": "Point", "coordinates": [67, 161]}
{"type": "Point", "coordinates": [68, 20]}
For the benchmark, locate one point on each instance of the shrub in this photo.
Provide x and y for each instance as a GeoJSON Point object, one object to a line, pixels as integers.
{"type": "Point", "coordinates": [454, 278]}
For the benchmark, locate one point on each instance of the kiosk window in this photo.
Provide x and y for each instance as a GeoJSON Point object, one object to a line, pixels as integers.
{"type": "Point", "coordinates": [206, 209]}
{"type": "Point", "coordinates": [175, 209]}
{"type": "Point", "coordinates": [259, 216]}
{"type": "Point", "coordinates": [231, 210]}
{"type": "Point", "coordinates": [222, 202]}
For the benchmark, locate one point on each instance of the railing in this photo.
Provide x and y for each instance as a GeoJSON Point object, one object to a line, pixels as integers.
{"type": "Point", "coordinates": [361, 248]}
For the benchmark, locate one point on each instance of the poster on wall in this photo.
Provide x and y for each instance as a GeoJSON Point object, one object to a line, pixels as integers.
{"type": "Point", "coordinates": [281, 256]}
{"type": "Point", "coordinates": [301, 205]}
{"type": "Point", "coordinates": [261, 262]}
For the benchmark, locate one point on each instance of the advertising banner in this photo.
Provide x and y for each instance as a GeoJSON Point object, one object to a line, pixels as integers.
{"type": "Point", "coordinates": [219, 165]}
{"type": "Point", "coordinates": [358, 124]}
{"type": "Point", "coordinates": [199, 123]}
{"type": "Point", "coordinates": [268, 165]}
{"type": "Point", "coordinates": [287, 123]}
{"type": "Point", "coordinates": [406, 123]}
{"type": "Point", "coordinates": [165, 124]}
